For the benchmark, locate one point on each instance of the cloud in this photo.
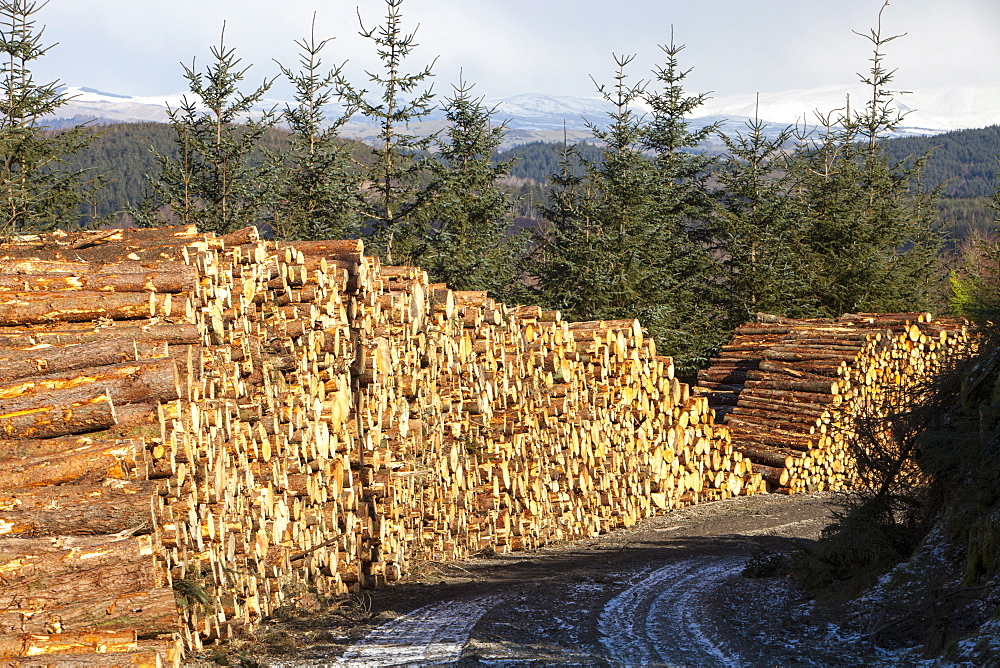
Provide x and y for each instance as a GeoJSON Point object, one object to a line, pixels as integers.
{"type": "Point", "coordinates": [548, 46]}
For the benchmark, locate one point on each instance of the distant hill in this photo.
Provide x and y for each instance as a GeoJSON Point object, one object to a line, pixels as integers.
{"type": "Point", "coordinates": [123, 154]}
{"type": "Point", "coordinates": [534, 117]}
{"type": "Point", "coordinates": [965, 161]}
{"type": "Point", "coordinates": [539, 160]}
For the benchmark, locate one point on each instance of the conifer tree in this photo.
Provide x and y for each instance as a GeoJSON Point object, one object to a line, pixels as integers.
{"type": "Point", "coordinates": [756, 231]}
{"type": "Point", "coordinates": [318, 189]}
{"type": "Point", "coordinates": [975, 283]}
{"type": "Point", "coordinates": [37, 191]}
{"type": "Point", "coordinates": [590, 259]}
{"type": "Point", "coordinates": [683, 171]}
{"type": "Point", "coordinates": [465, 212]}
{"type": "Point", "coordinates": [560, 251]}
{"type": "Point", "coordinates": [621, 242]}
{"type": "Point", "coordinates": [689, 323]}
{"type": "Point", "coordinates": [397, 167]}
{"type": "Point", "coordinates": [217, 181]}
{"type": "Point", "coordinates": [872, 237]}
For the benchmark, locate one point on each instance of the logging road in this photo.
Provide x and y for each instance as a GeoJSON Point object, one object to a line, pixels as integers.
{"type": "Point", "coordinates": [667, 592]}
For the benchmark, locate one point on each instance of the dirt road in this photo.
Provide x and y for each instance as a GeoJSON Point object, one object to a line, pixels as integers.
{"type": "Point", "coordinates": [667, 592]}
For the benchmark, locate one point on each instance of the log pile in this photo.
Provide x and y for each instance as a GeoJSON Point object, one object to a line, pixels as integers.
{"type": "Point", "coordinates": [260, 424]}
{"type": "Point", "coordinates": [92, 354]}
{"type": "Point", "coordinates": [238, 425]}
{"type": "Point", "coordinates": [790, 390]}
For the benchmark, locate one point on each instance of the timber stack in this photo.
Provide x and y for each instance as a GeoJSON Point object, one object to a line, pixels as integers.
{"type": "Point", "coordinates": [791, 391]}
{"type": "Point", "coordinates": [91, 355]}
{"type": "Point", "coordinates": [200, 429]}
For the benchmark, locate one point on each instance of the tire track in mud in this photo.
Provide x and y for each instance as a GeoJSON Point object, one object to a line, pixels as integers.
{"type": "Point", "coordinates": [667, 594]}
{"type": "Point", "coordinates": [661, 618]}
{"type": "Point", "coordinates": [432, 635]}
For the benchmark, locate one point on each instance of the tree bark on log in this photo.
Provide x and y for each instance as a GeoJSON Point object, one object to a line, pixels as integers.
{"type": "Point", "coordinates": [142, 657]}
{"type": "Point", "coordinates": [132, 382]}
{"type": "Point", "coordinates": [83, 642]}
{"type": "Point", "coordinates": [11, 449]}
{"type": "Point", "coordinates": [162, 281]}
{"type": "Point", "coordinates": [87, 415]}
{"type": "Point", "coordinates": [110, 459]}
{"type": "Point", "coordinates": [27, 308]}
{"type": "Point", "coordinates": [760, 454]}
{"type": "Point", "coordinates": [77, 268]}
{"type": "Point", "coordinates": [57, 497]}
{"type": "Point", "coordinates": [48, 359]}
{"type": "Point", "coordinates": [99, 517]}
{"type": "Point", "coordinates": [772, 474]}
{"type": "Point", "coordinates": [106, 580]}
{"type": "Point", "coordinates": [17, 548]}
{"type": "Point", "coordinates": [61, 334]}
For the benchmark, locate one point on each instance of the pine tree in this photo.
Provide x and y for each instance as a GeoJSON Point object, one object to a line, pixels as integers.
{"type": "Point", "coordinates": [217, 182]}
{"type": "Point", "coordinates": [397, 167]}
{"type": "Point", "coordinates": [319, 191]}
{"type": "Point", "coordinates": [37, 191]}
{"type": "Point", "coordinates": [690, 322]}
{"type": "Point", "coordinates": [621, 241]}
{"type": "Point", "coordinates": [560, 251]}
{"type": "Point", "coordinates": [872, 238]}
{"type": "Point", "coordinates": [590, 260]}
{"type": "Point", "coordinates": [756, 231]}
{"type": "Point", "coordinates": [683, 170]}
{"type": "Point", "coordinates": [465, 212]}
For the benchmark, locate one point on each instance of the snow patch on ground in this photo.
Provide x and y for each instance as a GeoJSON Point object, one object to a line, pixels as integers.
{"type": "Point", "coordinates": [982, 649]}
{"type": "Point", "coordinates": [432, 635]}
{"type": "Point", "coordinates": [661, 618]}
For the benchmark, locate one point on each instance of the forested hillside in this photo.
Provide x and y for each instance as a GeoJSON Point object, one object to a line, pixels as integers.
{"type": "Point", "coordinates": [123, 157]}
{"type": "Point", "coordinates": [964, 162]}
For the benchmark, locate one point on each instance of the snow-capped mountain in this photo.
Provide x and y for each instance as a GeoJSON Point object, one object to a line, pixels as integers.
{"type": "Point", "coordinates": [926, 111]}
{"type": "Point", "coordinates": [532, 117]}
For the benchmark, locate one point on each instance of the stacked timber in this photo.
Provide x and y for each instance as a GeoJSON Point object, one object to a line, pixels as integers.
{"type": "Point", "coordinates": [790, 391]}
{"type": "Point", "coordinates": [262, 424]}
{"type": "Point", "coordinates": [88, 362]}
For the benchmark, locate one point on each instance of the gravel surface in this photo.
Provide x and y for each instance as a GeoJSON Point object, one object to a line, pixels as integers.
{"type": "Point", "coordinates": [669, 591]}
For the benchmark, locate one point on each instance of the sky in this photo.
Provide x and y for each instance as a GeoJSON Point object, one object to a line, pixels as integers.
{"type": "Point", "coordinates": [507, 47]}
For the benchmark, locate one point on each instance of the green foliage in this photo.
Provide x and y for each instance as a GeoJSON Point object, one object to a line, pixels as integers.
{"type": "Point", "coordinates": [191, 591]}
{"type": "Point", "coordinates": [872, 238]}
{"type": "Point", "coordinates": [465, 214]}
{"type": "Point", "coordinates": [37, 191]}
{"type": "Point", "coordinates": [318, 192]}
{"type": "Point", "coordinates": [211, 183]}
{"type": "Point", "coordinates": [396, 169]}
{"type": "Point", "coordinates": [963, 162]}
{"type": "Point", "coordinates": [976, 284]}
{"type": "Point", "coordinates": [621, 239]}
{"type": "Point", "coordinates": [757, 231]}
